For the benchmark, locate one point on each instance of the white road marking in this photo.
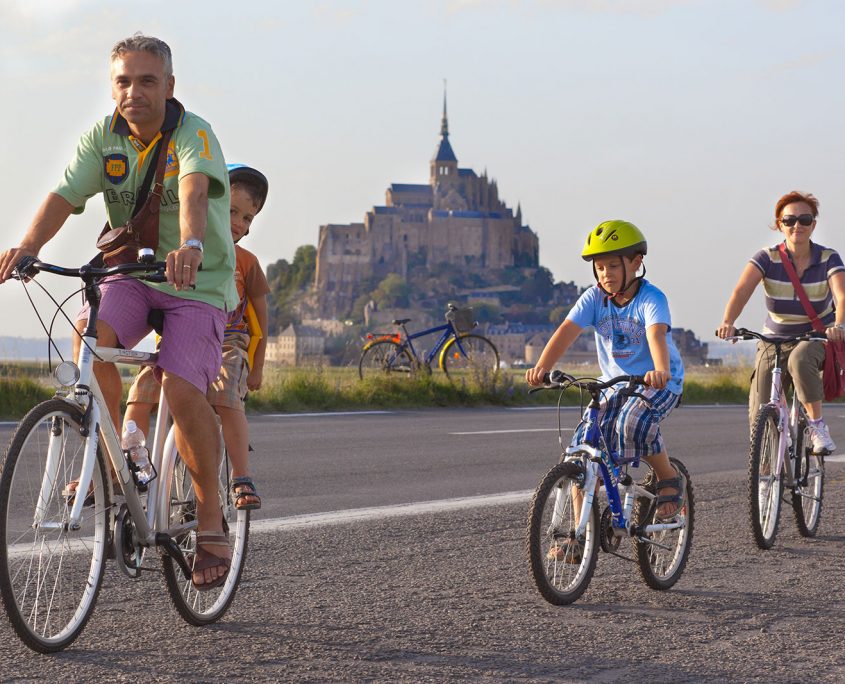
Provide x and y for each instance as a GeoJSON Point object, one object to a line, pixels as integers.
{"type": "Point", "coordinates": [501, 432]}
{"type": "Point", "coordinates": [379, 512]}
{"type": "Point", "coordinates": [325, 414]}
{"type": "Point", "coordinates": [835, 459]}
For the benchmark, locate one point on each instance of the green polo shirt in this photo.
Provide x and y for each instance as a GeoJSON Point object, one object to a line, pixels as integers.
{"type": "Point", "coordinates": [111, 161]}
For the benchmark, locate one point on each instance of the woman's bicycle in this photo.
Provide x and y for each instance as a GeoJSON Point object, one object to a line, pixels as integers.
{"type": "Point", "coordinates": [781, 456]}
{"type": "Point", "coordinates": [54, 544]}
{"type": "Point", "coordinates": [459, 349]}
{"type": "Point", "coordinates": [565, 527]}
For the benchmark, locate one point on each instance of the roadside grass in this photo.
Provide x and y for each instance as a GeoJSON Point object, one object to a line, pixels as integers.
{"type": "Point", "coordinates": [333, 389]}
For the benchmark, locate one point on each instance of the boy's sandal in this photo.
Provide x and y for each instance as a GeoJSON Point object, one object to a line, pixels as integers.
{"type": "Point", "coordinates": [679, 484]}
{"type": "Point", "coordinates": [244, 494]}
{"type": "Point", "coordinates": [205, 560]}
{"type": "Point", "coordinates": [568, 551]}
{"type": "Point", "coordinates": [69, 492]}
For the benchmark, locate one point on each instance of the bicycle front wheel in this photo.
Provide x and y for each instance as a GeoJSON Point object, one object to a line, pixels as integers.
{"type": "Point", "coordinates": [662, 555]}
{"type": "Point", "coordinates": [764, 478]}
{"type": "Point", "coordinates": [808, 492]}
{"type": "Point", "coordinates": [50, 575]}
{"type": "Point", "coordinates": [383, 357]}
{"type": "Point", "coordinates": [474, 355]}
{"type": "Point", "coordinates": [201, 607]}
{"type": "Point", "coordinates": [561, 563]}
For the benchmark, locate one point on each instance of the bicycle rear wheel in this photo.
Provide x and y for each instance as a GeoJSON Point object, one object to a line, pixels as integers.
{"type": "Point", "coordinates": [764, 479]}
{"type": "Point", "coordinates": [662, 555]}
{"type": "Point", "coordinates": [50, 576]}
{"type": "Point", "coordinates": [807, 495]}
{"type": "Point", "coordinates": [475, 355]}
{"type": "Point", "coordinates": [561, 565]}
{"type": "Point", "coordinates": [382, 357]}
{"type": "Point", "coordinates": [201, 607]}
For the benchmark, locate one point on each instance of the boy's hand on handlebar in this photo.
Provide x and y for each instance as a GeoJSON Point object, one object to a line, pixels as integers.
{"type": "Point", "coordinates": [534, 376]}
{"type": "Point", "coordinates": [657, 379]}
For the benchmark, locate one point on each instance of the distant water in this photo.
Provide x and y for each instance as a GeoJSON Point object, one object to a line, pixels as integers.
{"type": "Point", "coordinates": [741, 353]}
{"type": "Point", "coordinates": [35, 349]}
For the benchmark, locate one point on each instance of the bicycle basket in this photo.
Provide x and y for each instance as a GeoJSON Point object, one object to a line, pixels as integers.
{"type": "Point", "coordinates": [462, 319]}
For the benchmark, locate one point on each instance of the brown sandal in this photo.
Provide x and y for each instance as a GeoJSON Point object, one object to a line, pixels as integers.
{"type": "Point", "coordinates": [205, 560]}
{"type": "Point", "coordinates": [243, 489]}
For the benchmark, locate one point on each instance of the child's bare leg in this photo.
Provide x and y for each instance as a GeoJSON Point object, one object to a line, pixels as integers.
{"type": "Point", "coordinates": [236, 438]}
{"type": "Point", "coordinates": [664, 470]}
{"type": "Point", "coordinates": [140, 412]}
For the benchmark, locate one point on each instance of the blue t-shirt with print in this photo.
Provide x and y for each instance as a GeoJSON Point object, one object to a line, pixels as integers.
{"type": "Point", "coordinates": [621, 332]}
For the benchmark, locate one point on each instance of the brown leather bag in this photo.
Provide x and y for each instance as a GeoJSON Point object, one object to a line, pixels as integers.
{"type": "Point", "coordinates": [120, 245]}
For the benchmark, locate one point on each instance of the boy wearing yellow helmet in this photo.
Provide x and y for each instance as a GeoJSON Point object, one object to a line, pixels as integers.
{"type": "Point", "coordinates": [632, 330]}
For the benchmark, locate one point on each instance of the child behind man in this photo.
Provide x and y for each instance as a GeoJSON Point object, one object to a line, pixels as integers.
{"type": "Point", "coordinates": [239, 373]}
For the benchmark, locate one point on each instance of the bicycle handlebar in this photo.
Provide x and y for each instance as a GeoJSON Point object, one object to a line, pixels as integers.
{"type": "Point", "coordinates": [560, 379]}
{"type": "Point", "coordinates": [29, 266]}
{"type": "Point", "coordinates": [746, 334]}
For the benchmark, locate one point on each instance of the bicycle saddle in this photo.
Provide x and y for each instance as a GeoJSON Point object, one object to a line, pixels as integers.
{"type": "Point", "coordinates": [400, 321]}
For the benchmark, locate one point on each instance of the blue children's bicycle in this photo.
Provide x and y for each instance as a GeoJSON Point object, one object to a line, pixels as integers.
{"type": "Point", "coordinates": [565, 529]}
{"type": "Point", "coordinates": [459, 349]}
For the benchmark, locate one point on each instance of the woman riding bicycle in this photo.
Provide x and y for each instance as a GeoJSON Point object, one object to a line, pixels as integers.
{"type": "Point", "coordinates": [822, 274]}
{"type": "Point", "coordinates": [632, 323]}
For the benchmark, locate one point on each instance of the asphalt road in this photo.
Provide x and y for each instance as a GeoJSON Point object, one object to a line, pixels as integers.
{"type": "Point", "coordinates": [443, 594]}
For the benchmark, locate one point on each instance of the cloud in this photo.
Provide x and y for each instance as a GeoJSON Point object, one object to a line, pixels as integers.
{"type": "Point", "coordinates": [335, 14]}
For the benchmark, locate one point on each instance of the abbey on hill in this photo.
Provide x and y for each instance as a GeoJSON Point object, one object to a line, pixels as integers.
{"type": "Point", "coordinates": [457, 219]}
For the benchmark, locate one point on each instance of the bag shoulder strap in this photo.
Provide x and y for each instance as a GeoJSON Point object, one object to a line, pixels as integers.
{"type": "Point", "coordinates": [157, 167]}
{"type": "Point", "coordinates": [799, 289]}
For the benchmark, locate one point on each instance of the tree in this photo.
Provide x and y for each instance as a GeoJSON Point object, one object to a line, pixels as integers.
{"type": "Point", "coordinates": [391, 292]}
{"type": "Point", "coordinates": [557, 314]}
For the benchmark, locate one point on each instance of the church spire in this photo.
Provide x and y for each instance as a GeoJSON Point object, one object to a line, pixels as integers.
{"type": "Point", "coordinates": [444, 164]}
{"type": "Point", "coordinates": [444, 121]}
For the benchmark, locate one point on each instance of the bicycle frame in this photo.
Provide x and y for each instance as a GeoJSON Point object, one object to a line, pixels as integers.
{"type": "Point", "coordinates": [605, 467]}
{"type": "Point", "coordinates": [448, 331]}
{"type": "Point", "coordinates": [788, 421]}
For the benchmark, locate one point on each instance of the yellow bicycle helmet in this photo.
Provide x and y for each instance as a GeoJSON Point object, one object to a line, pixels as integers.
{"type": "Point", "coordinates": [614, 237]}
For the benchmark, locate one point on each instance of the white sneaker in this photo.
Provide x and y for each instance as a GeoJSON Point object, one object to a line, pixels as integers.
{"type": "Point", "coordinates": [820, 438]}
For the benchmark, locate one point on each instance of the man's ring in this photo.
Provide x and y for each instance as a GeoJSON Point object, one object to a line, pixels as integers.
{"type": "Point", "coordinates": [186, 266]}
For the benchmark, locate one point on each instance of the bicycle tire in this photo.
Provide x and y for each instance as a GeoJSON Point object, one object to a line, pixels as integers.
{"type": "Point", "coordinates": [662, 567]}
{"type": "Point", "coordinates": [807, 498]}
{"type": "Point", "coordinates": [479, 358]}
{"type": "Point", "coordinates": [764, 487]}
{"type": "Point", "coordinates": [560, 580]}
{"type": "Point", "coordinates": [50, 576]}
{"type": "Point", "coordinates": [383, 357]}
{"type": "Point", "coordinates": [200, 607]}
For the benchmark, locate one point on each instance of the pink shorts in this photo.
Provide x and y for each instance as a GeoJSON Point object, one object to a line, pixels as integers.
{"type": "Point", "coordinates": [191, 346]}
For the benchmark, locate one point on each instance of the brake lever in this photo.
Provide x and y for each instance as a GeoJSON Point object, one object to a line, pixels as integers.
{"type": "Point", "coordinates": [23, 269]}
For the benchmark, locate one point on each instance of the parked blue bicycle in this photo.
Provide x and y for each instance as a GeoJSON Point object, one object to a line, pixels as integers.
{"type": "Point", "coordinates": [459, 350]}
{"type": "Point", "coordinates": [565, 529]}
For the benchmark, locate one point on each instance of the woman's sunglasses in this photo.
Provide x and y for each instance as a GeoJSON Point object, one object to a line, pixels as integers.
{"type": "Point", "coordinates": [805, 220]}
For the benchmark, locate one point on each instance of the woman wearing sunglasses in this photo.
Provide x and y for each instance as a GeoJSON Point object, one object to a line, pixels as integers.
{"type": "Point", "coordinates": [822, 274]}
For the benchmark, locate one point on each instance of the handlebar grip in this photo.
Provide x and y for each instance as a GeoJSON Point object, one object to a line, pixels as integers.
{"type": "Point", "coordinates": [24, 267]}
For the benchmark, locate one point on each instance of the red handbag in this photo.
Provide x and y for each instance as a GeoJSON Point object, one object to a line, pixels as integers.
{"type": "Point", "coordinates": [833, 375]}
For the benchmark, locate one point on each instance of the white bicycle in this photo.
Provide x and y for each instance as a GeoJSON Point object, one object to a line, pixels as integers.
{"type": "Point", "coordinates": [54, 545]}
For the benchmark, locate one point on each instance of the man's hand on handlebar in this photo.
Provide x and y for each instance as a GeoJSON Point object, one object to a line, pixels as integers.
{"type": "Point", "coordinates": [182, 267]}
{"type": "Point", "coordinates": [10, 258]}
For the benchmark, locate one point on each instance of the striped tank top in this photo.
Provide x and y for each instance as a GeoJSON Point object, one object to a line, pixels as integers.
{"type": "Point", "coordinates": [786, 314]}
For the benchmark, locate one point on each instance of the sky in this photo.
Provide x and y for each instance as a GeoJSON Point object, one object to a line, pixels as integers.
{"type": "Point", "coordinates": [687, 117]}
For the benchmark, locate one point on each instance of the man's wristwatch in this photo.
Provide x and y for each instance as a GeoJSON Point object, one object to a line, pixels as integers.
{"type": "Point", "coordinates": [192, 243]}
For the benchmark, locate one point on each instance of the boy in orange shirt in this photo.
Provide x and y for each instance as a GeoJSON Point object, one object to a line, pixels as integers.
{"type": "Point", "coordinates": [240, 371]}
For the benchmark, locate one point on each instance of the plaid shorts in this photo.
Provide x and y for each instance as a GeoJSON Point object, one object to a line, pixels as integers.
{"type": "Point", "coordinates": [630, 426]}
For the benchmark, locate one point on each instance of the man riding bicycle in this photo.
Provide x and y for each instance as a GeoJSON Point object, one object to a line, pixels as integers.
{"type": "Point", "coordinates": [113, 158]}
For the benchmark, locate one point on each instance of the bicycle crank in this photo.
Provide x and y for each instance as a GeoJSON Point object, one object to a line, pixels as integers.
{"type": "Point", "coordinates": [127, 553]}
